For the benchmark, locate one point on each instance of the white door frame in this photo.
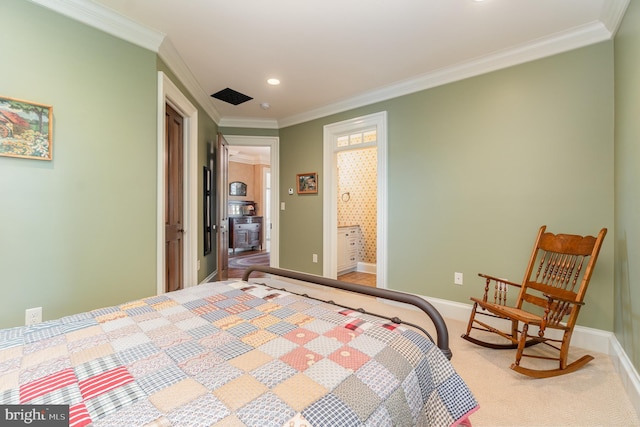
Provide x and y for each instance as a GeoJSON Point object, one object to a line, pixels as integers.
{"type": "Point", "coordinates": [273, 142]}
{"type": "Point", "coordinates": [330, 199]}
{"type": "Point", "coordinates": [168, 93]}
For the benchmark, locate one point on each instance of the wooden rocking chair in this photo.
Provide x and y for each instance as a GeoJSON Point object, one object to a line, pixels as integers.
{"type": "Point", "coordinates": [550, 297]}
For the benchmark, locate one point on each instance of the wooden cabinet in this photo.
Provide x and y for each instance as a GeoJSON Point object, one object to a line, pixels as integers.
{"type": "Point", "coordinates": [348, 246]}
{"type": "Point", "coordinates": [245, 232]}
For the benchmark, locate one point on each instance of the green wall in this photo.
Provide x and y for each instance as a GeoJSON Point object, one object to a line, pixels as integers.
{"type": "Point", "coordinates": [75, 232]}
{"type": "Point", "coordinates": [474, 168]}
{"type": "Point", "coordinates": [627, 159]}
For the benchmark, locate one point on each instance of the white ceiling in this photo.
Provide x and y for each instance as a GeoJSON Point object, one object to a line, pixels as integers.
{"type": "Point", "coordinates": [332, 55]}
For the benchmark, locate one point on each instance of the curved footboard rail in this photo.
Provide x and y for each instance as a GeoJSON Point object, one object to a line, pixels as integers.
{"type": "Point", "coordinates": [442, 337]}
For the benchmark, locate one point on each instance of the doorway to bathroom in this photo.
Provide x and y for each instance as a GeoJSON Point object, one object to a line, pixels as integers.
{"type": "Point", "coordinates": [355, 199]}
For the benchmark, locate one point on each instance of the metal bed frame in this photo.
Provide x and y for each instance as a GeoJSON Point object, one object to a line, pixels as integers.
{"type": "Point", "coordinates": [442, 333]}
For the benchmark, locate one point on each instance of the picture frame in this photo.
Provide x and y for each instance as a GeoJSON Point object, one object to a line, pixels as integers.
{"type": "Point", "coordinates": [237, 188]}
{"type": "Point", "coordinates": [307, 183]}
{"type": "Point", "coordinates": [26, 129]}
{"type": "Point", "coordinates": [207, 195]}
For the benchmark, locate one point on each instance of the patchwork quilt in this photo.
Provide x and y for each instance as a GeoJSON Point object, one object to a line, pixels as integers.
{"type": "Point", "coordinates": [232, 353]}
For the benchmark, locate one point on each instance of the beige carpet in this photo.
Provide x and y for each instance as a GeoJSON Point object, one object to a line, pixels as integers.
{"type": "Point", "coordinates": [592, 396]}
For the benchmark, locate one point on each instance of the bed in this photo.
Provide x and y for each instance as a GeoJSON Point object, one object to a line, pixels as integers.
{"type": "Point", "coordinates": [237, 352]}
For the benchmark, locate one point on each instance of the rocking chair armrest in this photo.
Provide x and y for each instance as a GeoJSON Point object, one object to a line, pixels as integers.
{"type": "Point", "coordinates": [497, 279]}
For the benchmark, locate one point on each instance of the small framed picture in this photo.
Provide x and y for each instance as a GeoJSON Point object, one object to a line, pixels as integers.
{"type": "Point", "coordinates": [307, 182]}
{"type": "Point", "coordinates": [25, 129]}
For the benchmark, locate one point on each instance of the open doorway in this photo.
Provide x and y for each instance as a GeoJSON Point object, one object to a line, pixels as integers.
{"type": "Point", "coordinates": [367, 132]}
{"type": "Point", "coordinates": [253, 219]}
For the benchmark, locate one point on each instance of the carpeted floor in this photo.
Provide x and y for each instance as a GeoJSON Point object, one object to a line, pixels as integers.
{"type": "Point", "coordinates": [592, 396]}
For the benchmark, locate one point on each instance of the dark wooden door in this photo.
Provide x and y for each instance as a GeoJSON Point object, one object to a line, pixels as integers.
{"type": "Point", "coordinates": [223, 210]}
{"type": "Point", "coordinates": [174, 224]}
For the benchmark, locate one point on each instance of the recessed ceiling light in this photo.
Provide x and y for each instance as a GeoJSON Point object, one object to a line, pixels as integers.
{"type": "Point", "coordinates": [273, 82]}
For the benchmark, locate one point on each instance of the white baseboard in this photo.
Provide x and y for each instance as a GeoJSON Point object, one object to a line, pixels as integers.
{"type": "Point", "coordinates": [587, 338]}
{"type": "Point", "coordinates": [628, 373]}
{"type": "Point", "coordinates": [366, 267]}
{"type": "Point", "coordinates": [209, 277]}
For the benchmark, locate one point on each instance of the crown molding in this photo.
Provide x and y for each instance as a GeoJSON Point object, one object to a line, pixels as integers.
{"type": "Point", "coordinates": [249, 160]}
{"type": "Point", "coordinates": [558, 43]}
{"type": "Point", "coordinates": [105, 20]}
{"type": "Point", "coordinates": [112, 23]}
{"type": "Point", "coordinates": [613, 13]}
{"type": "Point", "coordinates": [239, 122]}
{"type": "Point", "coordinates": [171, 57]}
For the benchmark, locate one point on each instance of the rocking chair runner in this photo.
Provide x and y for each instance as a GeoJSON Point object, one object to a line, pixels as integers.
{"type": "Point", "coordinates": [550, 297]}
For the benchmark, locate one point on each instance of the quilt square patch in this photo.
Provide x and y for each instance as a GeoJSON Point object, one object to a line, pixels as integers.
{"type": "Point", "coordinates": [273, 373]}
{"type": "Point", "coordinates": [299, 391]}
{"type": "Point", "coordinates": [241, 329]}
{"type": "Point", "coordinates": [48, 384]}
{"type": "Point", "coordinates": [327, 373]}
{"type": "Point", "coordinates": [114, 400]}
{"type": "Point", "coordinates": [92, 353]}
{"type": "Point", "coordinates": [139, 413]}
{"type": "Point", "coordinates": [104, 382]}
{"type": "Point", "coordinates": [44, 369]}
{"type": "Point", "coordinates": [277, 347]}
{"type": "Point", "coordinates": [217, 340]}
{"type": "Point", "coordinates": [170, 398]}
{"type": "Point", "coordinates": [259, 337]}
{"type": "Point", "coordinates": [204, 411]}
{"type": "Point", "coordinates": [300, 336]}
{"type": "Point", "coordinates": [240, 391]}
{"type": "Point", "coordinates": [201, 362]}
{"type": "Point", "coordinates": [232, 349]}
{"type": "Point", "coordinates": [266, 411]}
{"type": "Point", "coordinates": [250, 360]}
{"type": "Point", "coordinates": [281, 328]}
{"type": "Point", "coordinates": [160, 379]}
{"type": "Point", "coordinates": [299, 319]}
{"type": "Point", "coordinates": [360, 398]}
{"type": "Point", "coordinates": [215, 378]}
{"type": "Point", "coordinates": [153, 363]}
{"type": "Point", "coordinates": [349, 358]}
{"type": "Point", "coordinates": [323, 345]}
{"type": "Point", "coordinates": [44, 355]}
{"type": "Point", "coordinates": [185, 350]}
{"type": "Point", "coordinates": [341, 334]}
{"type": "Point", "coordinates": [378, 378]}
{"type": "Point", "coordinates": [301, 358]}
{"type": "Point", "coordinates": [330, 411]}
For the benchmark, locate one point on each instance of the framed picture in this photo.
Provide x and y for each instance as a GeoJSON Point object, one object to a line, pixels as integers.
{"type": "Point", "coordinates": [237, 188]}
{"type": "Point", "coordinates": [307, 183]}
{"type": "Point", "coordinates": [206, 204]}
{"type": "Point", "coordinates": [25, 129]}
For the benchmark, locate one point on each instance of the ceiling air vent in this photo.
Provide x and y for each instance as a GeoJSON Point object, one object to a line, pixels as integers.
{"type": "Point", "coordinates": [231, 96]}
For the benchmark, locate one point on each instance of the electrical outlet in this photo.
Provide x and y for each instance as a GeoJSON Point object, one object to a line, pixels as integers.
{"type": "Point", "coordinates": [457, 278]}
{"type": "Point", "coordinates": [315, 258]}
{"type": "Point", "coordinates": [33, 316]}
